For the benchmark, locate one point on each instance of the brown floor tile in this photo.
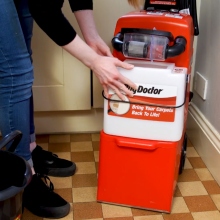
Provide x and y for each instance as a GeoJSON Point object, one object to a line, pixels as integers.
{"type": "Point", "coordinates": [141, 212]}
{"type": "Point", "coordinates": [59, 138]}
{"type": "Point", "coordinates": [177, 192]}
{"type": "Point", "coordinates": [97, 167]}
{"type": "Point", "coordinates": [189, 143]}
{"type": "Point", "coordinates": [44, 138]}
{"type": "Point", "coordinates": [29, 216]}
{"type": "Point", "coordinates": [122, 218]}
{"type": "Point", "coordinates": [66, 194]}
{"type": "Point", "coordinates": [95, 145]}
{"type": "Point", "coordinates": [184, 216]}
{"type": "Point", "coordinates": [211, 186]}
{"type": "Point", "coordinates": [196, 162]}
{"type": "Point", "coordinates": [80, 137]}
{"type": "Point", "coordinates": [87, 156]}
{"type": "Point", "coordinates": [200, 203]}
{"type": "Point", "coordinates": [59, 147]}
{"type": "Point", "coordinates": [188, 176]}
{"type": "Point", "coordinates": [87, 210]}
{"type": "Point", "coordinates": [84, 180]}
{"type": "Point", "coordinates": [96, 137]}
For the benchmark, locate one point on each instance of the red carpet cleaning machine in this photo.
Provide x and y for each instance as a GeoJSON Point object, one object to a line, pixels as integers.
{"type": "Point", "coordinates": [143, 141]}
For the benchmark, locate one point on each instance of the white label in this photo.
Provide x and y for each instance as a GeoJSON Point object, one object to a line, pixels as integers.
{"type": "Point", "coordinates": [174, 16]}
{"type": "Point", "coordinates": [154, 91]}
{"type": "Point", "coordinates": [155, 13]}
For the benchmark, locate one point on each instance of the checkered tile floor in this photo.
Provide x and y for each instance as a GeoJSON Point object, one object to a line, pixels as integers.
{"type": "Point", "coordinates": [197, 195]}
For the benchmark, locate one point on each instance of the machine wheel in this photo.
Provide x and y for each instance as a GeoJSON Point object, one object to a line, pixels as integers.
{"type": "Point", "coordinates": [183, 155]}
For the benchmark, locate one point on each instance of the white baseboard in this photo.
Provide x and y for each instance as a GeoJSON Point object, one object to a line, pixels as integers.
{"type": "Point", "coordinates": [205, 139]}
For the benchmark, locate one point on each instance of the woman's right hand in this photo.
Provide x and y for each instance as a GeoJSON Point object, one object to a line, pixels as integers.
{"type": "Point", "coordinates": [105, 68]}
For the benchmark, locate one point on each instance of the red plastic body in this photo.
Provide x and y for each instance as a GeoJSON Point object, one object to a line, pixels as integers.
{"type": "Point", "coordinates": [138, 173]}
{"type": "Point", "coordinates": [143, 173]}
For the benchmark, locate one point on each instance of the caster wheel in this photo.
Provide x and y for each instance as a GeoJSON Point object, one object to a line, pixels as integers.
{"type": "Point", "coordinates": [183, 155]}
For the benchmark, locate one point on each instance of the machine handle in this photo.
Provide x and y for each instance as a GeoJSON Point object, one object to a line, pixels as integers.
{"type": "Point", "coordinates": [171, 51]}
{"type": "Point", "coordinates": [14, 137]}
{"type": "Point", "coordinates": [193, 12]}
{"type": "Point", "coordinates": [137, 144]}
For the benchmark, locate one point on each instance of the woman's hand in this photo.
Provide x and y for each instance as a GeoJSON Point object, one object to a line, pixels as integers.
{"type": "Point", "coordinates": [105, 68]}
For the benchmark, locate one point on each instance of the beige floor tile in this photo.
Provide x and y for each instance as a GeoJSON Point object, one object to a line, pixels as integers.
{"type": "Point", "coordinates": [204, 174]}
{"type": "Point", "coordinates": [84, 194]}
{"type": "Point", "coordinates": [64, 155]}
{"type": "Point", "coordinates": [150, 217]}
{"type": "Point", "coordinates": [216, 200]}
{"type": "Point", "coordinates": [81, 146]}
{"type": "Point", "coordinates": [96, 137]}
{"type": "Point", "coordinates": [142, 212]}
{"type": "Point", "coordinates": [85, 167]}
{"type": "Point", "coordinates": [179, 205]}
{"type": "Point", "coordinates": [68, 217]}
{"type": "Point", "coordinates": [187, 164]}
{"type": "Point", "coordinates": [191, 152]}
{"type": "Point", "coordinates": [96, 155]}
{"type": "Point", "coordinates": [113, 211]}
{"type": "Point", "coordinates": [212, 215]}
{"type": "Point", "coordinates": [192, 188]}
{"type": "Point", "coordinates": [61, 183]}
{"type": "Point", "coordinates": [59, 138]}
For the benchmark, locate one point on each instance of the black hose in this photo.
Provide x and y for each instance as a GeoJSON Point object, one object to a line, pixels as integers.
{"type": "Point", "coordinates": [178, 47]}
{"type": "Point", "coordinates": [117, 43]}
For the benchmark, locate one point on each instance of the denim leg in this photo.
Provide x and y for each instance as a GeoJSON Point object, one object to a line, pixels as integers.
{"type": "Point", "coordinates": [16, 78]}
{"type": "Point", "coordinates": [26, 22]}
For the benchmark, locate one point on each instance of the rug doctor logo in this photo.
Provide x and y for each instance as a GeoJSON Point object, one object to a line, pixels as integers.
{"type": "Point", "coordinates": [156, 91]}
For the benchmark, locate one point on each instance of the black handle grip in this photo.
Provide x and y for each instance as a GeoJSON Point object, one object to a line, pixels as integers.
{"type": "Point", "coordinates": [14, 137]}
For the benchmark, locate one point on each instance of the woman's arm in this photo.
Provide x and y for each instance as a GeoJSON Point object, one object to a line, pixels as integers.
{"type": "Point", "coordinates": [105, 68]}
{"type": "Point", "coordinates": [87, 25]}
{"type": "Point", "coordinates": [48, 15]}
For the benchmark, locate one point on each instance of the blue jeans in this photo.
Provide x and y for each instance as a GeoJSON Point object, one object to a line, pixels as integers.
{"type": "Point", "coordinates": [16, 72]}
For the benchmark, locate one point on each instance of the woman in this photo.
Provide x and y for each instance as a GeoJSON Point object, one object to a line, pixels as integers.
{"type": "Point", "coordinates": [16, 79]}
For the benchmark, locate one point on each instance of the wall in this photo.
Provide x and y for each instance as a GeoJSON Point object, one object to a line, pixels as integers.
{"type": "Point", "coordinates": [204, 115]}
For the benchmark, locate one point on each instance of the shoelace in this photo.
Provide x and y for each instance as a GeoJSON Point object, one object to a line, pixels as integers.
{"type": "Point", "coordinates": [46, 179]}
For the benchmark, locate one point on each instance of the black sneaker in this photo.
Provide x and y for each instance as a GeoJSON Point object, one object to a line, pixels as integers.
{"type": "Point", "coordinates": [40, 199]}
{"type": "Point", "coordinates": [47, 163]}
